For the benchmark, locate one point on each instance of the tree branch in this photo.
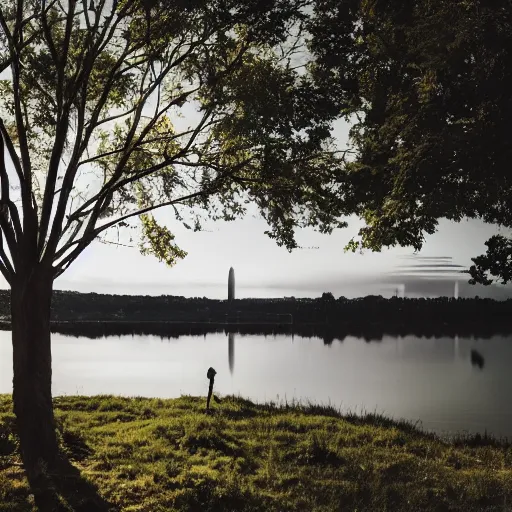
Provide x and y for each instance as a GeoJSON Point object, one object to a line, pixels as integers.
{"type": "Point", "coordinates": [8, 62]}
{"type": "Point", "coordinates": [85, 7]}
{"type": "Point", "coordinates": [10, 234]}
{"type": "Point", "coordinates": [49, 39]}
{"type": "Point", "coordinates": [87, 239]}
{"type": "Point", "coordinates": [79, 212]}
{"type": "Point", "coordinates": [5, 265]}
{"type": "Point", "coordinates": [100, 197]}
{"type": "Point", "coordinates": [12, 153]}
{"type": "Point", "coordinates": [79, 146]}
{"type": "Point", "coordinates": [23, 167]}
{"type": "Point", "coordinates": [91, 233]}
{"type": "Point", "coordinates": [22, 132]}
{"type": "Point", "coordinates": [164, 138]}
{"type": "Point", "coordinates": [101, 203]}
{"type": "Point", "coordinates": [51, 178]}
{"type": "Point", "coordinates": [148, 209]}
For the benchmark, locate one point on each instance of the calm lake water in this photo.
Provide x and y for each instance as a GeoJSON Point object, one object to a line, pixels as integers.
{"type": "Point", "coordinates": [430, 380]}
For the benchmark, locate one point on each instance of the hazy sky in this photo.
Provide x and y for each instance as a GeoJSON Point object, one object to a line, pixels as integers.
{"type": "Point", "coordinates": [261, 268]}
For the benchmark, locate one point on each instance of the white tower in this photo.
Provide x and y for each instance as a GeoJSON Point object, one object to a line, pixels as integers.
{"type": "Point", "coordinates": [231, 284]}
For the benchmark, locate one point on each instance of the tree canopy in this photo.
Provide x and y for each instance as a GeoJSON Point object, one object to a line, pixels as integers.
{"type": "Point", "coordinates": [110, 110]}
{"type": "Point", "coordinates": [428, 86]}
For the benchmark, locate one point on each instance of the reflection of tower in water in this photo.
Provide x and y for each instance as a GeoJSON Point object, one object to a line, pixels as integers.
{"type": "Point", "coordinates": [231, 351]}
{"type": "Point", "coordinates": [231, 335]}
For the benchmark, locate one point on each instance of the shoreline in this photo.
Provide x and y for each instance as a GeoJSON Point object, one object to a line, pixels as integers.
{"type": "Point", "coordinates": [370, 317]}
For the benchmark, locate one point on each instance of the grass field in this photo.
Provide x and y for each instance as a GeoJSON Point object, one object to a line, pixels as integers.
{"type": "Point", "coordinates": [168, 455]}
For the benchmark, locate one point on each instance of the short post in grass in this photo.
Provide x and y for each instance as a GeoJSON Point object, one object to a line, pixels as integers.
{"type": "Point", "coordinates": [211, 376]}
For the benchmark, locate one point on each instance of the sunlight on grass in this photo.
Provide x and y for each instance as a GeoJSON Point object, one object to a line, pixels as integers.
{"type": "Point", "coordinates": [168, 455]}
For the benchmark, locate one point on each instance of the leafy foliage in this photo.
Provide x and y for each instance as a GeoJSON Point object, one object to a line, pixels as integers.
{"type": "Point", "coordinates": [114, 109]}
{"type": "Point", "coordinates": [427, 84]}
{"type": "Point", "coordinates": [160, 241]}
{"type": "Point", "coordinates": [497, 261]}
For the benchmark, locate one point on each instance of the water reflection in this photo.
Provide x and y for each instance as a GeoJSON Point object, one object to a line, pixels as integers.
{"type": "Point", "coordinates": [231, 352]}
{"type": "Point", "coordinates": [329, 333]}
{"type": "Point", "coordinates": [432, 380]}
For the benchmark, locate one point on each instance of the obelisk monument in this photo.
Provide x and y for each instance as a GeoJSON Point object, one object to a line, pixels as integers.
{"type": "Point", "coordinates": [231, 284]}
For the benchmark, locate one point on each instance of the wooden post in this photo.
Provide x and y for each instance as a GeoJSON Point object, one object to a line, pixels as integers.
{"type": "Point", "coordinates": [211, 376]}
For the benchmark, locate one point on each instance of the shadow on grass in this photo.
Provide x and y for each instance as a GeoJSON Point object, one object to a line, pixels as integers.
{"type": "Point", "coordinates": [65, 490]}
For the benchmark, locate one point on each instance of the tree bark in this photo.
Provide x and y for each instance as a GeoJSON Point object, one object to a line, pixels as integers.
{"type": "Point", "coordinates": [31, 295]}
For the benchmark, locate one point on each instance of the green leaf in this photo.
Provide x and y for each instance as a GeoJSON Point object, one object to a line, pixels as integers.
{"type": "Point", "coordinates": [158, 241]}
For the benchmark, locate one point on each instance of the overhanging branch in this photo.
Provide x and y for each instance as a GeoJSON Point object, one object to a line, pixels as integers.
{"type": "Point", "coordinates": [92, 232]}
{"type": "Point", "coordinates": [91, 235]}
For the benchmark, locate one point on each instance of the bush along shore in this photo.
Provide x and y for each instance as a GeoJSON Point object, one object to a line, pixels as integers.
{"type": "Point", "coordinates": [142, 455]}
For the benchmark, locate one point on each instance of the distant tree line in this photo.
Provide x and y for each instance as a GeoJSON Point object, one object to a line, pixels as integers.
{"type": "Point", "coordinates": [371, 314]}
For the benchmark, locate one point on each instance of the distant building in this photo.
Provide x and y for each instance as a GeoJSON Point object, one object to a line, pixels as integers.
{"type": "Point", "coordinates": [231, 284]}
{"type": "Point", "coordinates": [438, 271]}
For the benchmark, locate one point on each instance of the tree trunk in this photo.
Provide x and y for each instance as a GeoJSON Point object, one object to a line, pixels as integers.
{"type": "Point", "coordinates": [31, 295]}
